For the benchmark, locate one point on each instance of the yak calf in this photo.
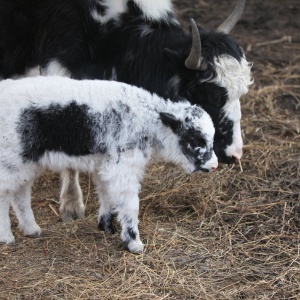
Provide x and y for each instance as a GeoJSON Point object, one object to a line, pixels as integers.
{"type": "Point", "coordinates": [109, 129]}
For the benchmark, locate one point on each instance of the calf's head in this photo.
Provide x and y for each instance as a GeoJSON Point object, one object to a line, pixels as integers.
{"type": "Point", "coordinates": [194, 136]}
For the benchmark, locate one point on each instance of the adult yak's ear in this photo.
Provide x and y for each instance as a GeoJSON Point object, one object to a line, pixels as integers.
{"type": "Point", "coordinates": [170, 121]}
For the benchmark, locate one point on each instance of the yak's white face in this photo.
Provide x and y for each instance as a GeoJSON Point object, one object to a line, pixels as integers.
{"type": "Point", "coordinates": [235, 77]}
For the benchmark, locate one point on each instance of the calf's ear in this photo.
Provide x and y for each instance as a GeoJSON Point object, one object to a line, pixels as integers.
{"type": "Point", "coordinates": [170, 121]}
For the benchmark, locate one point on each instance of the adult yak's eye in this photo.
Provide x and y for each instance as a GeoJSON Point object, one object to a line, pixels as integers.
{"type": "Point", "coordinates": [198, 142]}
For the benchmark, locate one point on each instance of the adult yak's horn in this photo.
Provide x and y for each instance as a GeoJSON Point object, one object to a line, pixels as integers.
{"type": "Point", "coordinates": [195, 60]}
{"type": "Point", "coordinates": [230, 22]}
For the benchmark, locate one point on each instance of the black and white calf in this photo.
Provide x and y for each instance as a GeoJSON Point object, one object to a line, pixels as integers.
{"type": "Point", "coordinates": [106, 128]}
{"type": "Point", "coordinates": [139, 42]}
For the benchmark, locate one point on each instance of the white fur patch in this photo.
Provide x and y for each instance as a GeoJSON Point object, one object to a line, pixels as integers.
{"type": "Point", "coordinates": [212, 163]}
{"type": "Point", "coordinates": [55, 68]}
{"type": "Point", "coordinates": [152, 10]}
{"type": "Point", "coordinates": [113, 10]}
{"type": "Point", "coordinates": [232, 111]}
{"type": "Point", "coordinates": [31, 72]}
{"type": "Point", "coordinates": [155, 9]}
{"type": "Point", "coordinates": [114, 75]}
{"type": "Point", "coordinates": [232, 75]}
{"type": "Point", "coordinates": [173, 84]}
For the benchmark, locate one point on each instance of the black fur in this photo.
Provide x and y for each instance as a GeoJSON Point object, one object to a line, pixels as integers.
{"type": "Point", "coordinates": [56, 128]}
{"type": "Point", "coordinates": [170, 121]}
{"type": "Point", "coordinates": [36, 32]}
{"type": "Point", "coordinates": [74, 130]}
{"type": "Point", "coordinates": [106, 223]}
{"type": "Point", "coordinates": [191, 141]}
{"type": "Point", "coordinates": [131, 233]}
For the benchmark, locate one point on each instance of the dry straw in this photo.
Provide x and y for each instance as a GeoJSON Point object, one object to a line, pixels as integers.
{"type": "Point", "coordinates": [230, 235]}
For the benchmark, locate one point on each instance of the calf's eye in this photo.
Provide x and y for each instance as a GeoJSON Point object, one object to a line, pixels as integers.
{"type": "Point", "coordinates": [199, 142]}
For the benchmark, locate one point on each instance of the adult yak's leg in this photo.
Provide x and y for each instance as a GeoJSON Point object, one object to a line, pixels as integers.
{"type": "Point", "coordinates": [71, 198]}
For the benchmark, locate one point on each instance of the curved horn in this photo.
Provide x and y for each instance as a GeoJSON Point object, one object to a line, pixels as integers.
{"type": "Point", "coordinates": [230, 22]}
{"type": "Point", "coordinates": [194, 60]}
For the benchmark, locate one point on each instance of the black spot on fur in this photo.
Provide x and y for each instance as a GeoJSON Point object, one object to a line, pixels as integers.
{"type": "Point", "coordinates": [224, 136]}
{"type": "Point", "coordinates": [170, 121]}
{"type": "Point", "coordinates": [143, 143]}
{"type": "Point", "coordinates": [131, 233]}
{"type": "Point", "coordinates": [67, 129]}
{"type": "Point", "coordinates": [140, 142]}
{"type": "Point", "coordinates": [112, 119]}
{"type": "Point", "coordinates": [190, 142]}
{"type": "Point", "coordinates": [106, 223]}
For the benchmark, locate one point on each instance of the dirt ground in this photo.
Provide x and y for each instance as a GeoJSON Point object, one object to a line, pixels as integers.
{"type": "Point", "coordinates": [231, 235]}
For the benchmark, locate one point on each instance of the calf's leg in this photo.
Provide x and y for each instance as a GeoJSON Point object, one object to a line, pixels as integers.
{"type": "Point", "coordinates": [22, 208]}
{"type": "Point", "coordinates": [120, 185]}
{"type": "Point", "coordinates": [71, 198]}
{"type": "Point", "coordinates": [123, 200]}
{"type": "Point", "coordinates": [6, 236]}
{"type": "Point", "coordinates": [128, 210]}
{"type": "Point", "coordinates": [106, 210]}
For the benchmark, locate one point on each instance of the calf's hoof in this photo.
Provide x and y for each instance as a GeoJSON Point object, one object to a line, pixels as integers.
{"type": "Point", "coordinates": [35, 235]}
{"type": "Point", "coordinates": [34, 231]}
{"type": "Point", "coordinates": [7, 239]}
{"type": "Point", "coordinates": [135, 246]}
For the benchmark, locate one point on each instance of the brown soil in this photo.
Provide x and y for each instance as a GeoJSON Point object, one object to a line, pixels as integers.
{"type": "Point", "coordinates": [231, 235]}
